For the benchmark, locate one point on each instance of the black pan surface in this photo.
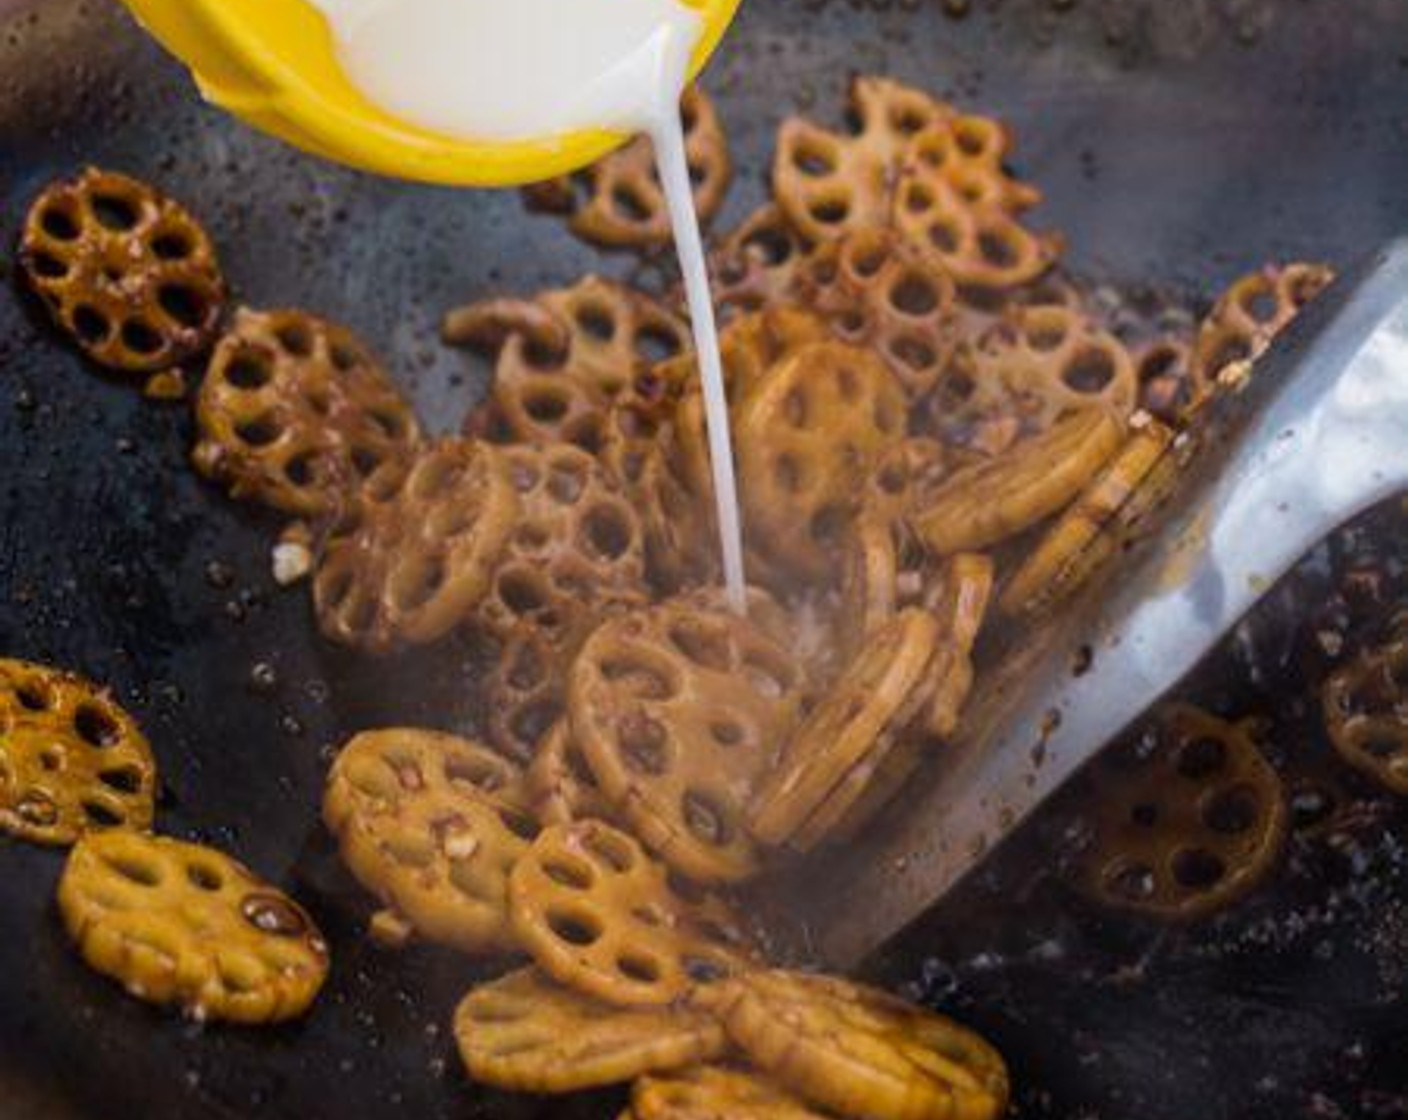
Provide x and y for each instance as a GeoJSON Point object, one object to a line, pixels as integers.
{"type": "Point", "coordinates": [1178, 143]}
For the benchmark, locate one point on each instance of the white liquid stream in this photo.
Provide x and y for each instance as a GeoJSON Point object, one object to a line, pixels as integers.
{"type": "Point", "coordinates": [525, 69]}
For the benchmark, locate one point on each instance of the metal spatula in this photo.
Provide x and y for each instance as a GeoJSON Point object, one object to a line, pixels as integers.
{"type": "Point", "coordinates": [1319, 434]}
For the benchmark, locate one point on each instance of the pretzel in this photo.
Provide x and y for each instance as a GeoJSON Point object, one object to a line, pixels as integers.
{"type": "Point", "coordinates": [971, 153]}
{"type": "Point", "coordinates": [1253, 310]}
{"type": "Point", "coordinates": [676, 710]}
{"type": "Point", "coordinates": [884, 566]}
{"type": "Point", "coordinates": [599, 915]}
{"type": "Point", "coordinates": [1065, 557]}
{"type": "Point", "coordinates": [183, 924]}
{"type": "Point", "coordinates": [123, 269]}
{"type": "Point", "coordinates": [715, 1093]}
{"type": "Point", "coordinates": [1164, 369]}
{"type": "Point", "coordinates": [831, 755]}
{"type": "Point", "coordinates": [753, 267]}
{"type": "Point", "coordinates": [1364, 708]}
{"type": "Point", "coordinates": [829, 183]}
{"type": "Point", "coordinates": [524, 694]}
{"type": "Point", "coordinates": [560, 782]}
{"type": "Point", "coordinates": [879, 292]}
{"type": "Point", "coordinates": [617, 202]}
{"type": "Point", "coordinates": [562, 357]}
{"type": "Point", "coordinates": [911, 467]}
{"type": "Point", "coordinates": [983, 504]}
{"type": "Point", "coordinates": [71, 760]}
{"type": "Point", "coordinates": [295, 410]}
{"type": "Point", "coordinates": [411, 557]}
{"type": "Point", "coordinates": [524, 1033]}
{"type": "Point", "coordinates": [805, 439]}
{"type": "Point", "coordinates": [856, 1051]}
{"type": "Point", "coordinates": [576, 547]}
{"type": "Point", "coordinates": [1184, 819]}
{"type": "Point", "coordinates": [431, 824]}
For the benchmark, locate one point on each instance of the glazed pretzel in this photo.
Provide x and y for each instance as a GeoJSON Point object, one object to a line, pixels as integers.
{"type": "Point", "coordinates": [562, 358]}
{"type": "Point", "coordinates": [1253, 310]}
{"type": "Point", "coordinates": [123, 269]}
{"type": "Point", "coordinates": [829, 183]}
{"type": "Point", "coordinates": [185, 924]}
{"type": "Point", "coordinates": [524, 1033]}
{"type": "Point", "coordinates": [561, 784]}
{"type": "Point", "coordinates": [600, 916]}
{"type": "Point", "coordinates": [1065, 557]}
{"type": "Point", "coordinates": [617, 202]}
{"type": "Point", "coordinates": [805, 440]}
{"type": "Point", "coordinates": [828, 761]}
{"type": "Point", "coordinates": [988, 502]}
{"type": "Point", "coordinates": [294, 411]}
{"type": "Point", "coordinates": [71, 760]}
{"type": "Point", "coordinates": [1164, 368]}
{"type": "Point", "coordinates": [677, 709]}
{"type": "Point", "coordinates": [412, 556]}
{"type": "Point", "coordinates": [524, 694]}
{"type": "Point", "coordinates": [754, 266]}
{"type": "Point", "coordinates": [1184, 819]}
{"type": "Point", "coordinates": [1364, 708]}
{"type": "Point", "coordinates": [431, 824]}
{"type": "Point", "coordinates": [856, 1051]}
{"type": "Point", "coordinates": [713, 1092]}
{"type": "Point", "coordinates": [576, 548]}
{"type": "Point", "coordinates": [878, 292]}
{"type": "Point", "coordinates": [971, 153]}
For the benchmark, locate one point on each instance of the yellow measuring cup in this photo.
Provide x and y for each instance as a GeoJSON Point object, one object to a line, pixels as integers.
{"type": "Point", "coordinates": [272, 63]}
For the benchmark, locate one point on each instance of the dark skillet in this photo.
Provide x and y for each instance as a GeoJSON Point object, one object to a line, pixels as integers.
{"type": "Point", "coordinates": [1172, 150]}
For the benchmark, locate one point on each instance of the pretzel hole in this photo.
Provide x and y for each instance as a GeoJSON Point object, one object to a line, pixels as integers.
{"type": "Point", "coordinates": [417, 581]}
{"type": "Point", "coordinates": [727, 733]}
{"type": "Point", "coordinates": [944, 236]}
{"type": "Point", "coordinates": [35, 695]}
{"type": "Point", "coordinates": [171, 246]}
{"type": "Point", "coordinates": [523, 590]}
{"type": "Point", "coordinates": [1233, 348]}
{"type": "Point", "coordinates": [914, 295]}
{"type": "Point", "coordinates": [705, 647]}
{"type": "Point", "coordinates": [1144, 815]}
{"type": "Point", "coordinates": [1134, 882]}
{"type": "Point", "coordinates": [643, 744]}
{"type": "Point", "coordinates": [204, 878]}
{"type": "Point", "coordinates": [1381, 746]}
{"type": "Point", "coordinates": [997, 249]}
{"type": "Point", "coordinates": [38, 810]}
{"type": "Point", "coordinates": [596, 321]}
{"type": "Point", "coordinates": [259, 432]}
{"type": "Point", "coordinates": [1197, 868]}
{"type": "Point", "coordinates": [908, 119]}
{"type": "Point", "coordinates": [48, 266]}
{"type": "Point", "coordinates": [914, 353]}
{"type": "Point", "coordinates": [1232, 811]}
{"type": "Point", "coordinates": [112, 212]}
{"type": "Point", "coordinates": [573, 875]}
{"type": "Point", "coordinates": [828, 525]}
{"type": "Point", "coordinates": [250, 368]}
{"type": "Point", "coordinates": [639, 969]}
{"type": "Point", "coordinates": [183, 304]}
{"type": "Point", "coordinates": [656, 344]}
{"type": "Point", "coordinates": [391, 423]}
{"type": "Point", "coordinates": [142, 872]}
{"type": "Point", "coordinates": [972, 137]}
{"type": "Point", "coordinates": [830, 211]}
{"type": "Point", "coordinates": [1261, 304]}
{"type": "Point", "coordinates": [643, 681]}
{"type": "Point", "coordinates": [1158, 363]}
{"type": "Point", "coordinates": [125, 779]}
{"type": "Point", "coordinates": [90, 324]}
{"type": "Point", "coordinates": [140, 337]}
{"type": "Point", "coordinates": [1090, 373]}
{"type": "Point", "coordinates": [814, 159]}
{"type": "Point", "coordinates": [771, 245]}
{"type": "Point", "coordinates": [60, 224]}
{"type": "Point", "coordinates": [1201, 758]}
{"type": "Point", "coordinates": [705, 819]}
{"type": "Point", "coordinates": [612, 851]}
{"type": "Point", "coordinates": [566, 480]}
{"type": "Point", "coordinates": [609, 531]}
{"type": "Point", "coordinates": [545, 406]}
{"type": "Point", "coordinates": [273, 914]}
{"type": "Point", "coordinates": [579, 928]}
{"type": "Point", "coordinates": [95, 726]}
{"type": "Point", "coordinates": [788, 472]}
{"type": "Point", "coordinates": [629, 204]}
{"type": "Point", "coordinates": [295, 338]}
{"type": "Point", "coordinates": [520, 824]}
{"type": "Point", "coordinates": [704, 970]}
{"type": "Point", "coordinates": [52, 759]}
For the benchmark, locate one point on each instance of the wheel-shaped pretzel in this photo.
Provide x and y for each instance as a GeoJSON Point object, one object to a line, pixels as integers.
{"type": "Point", "coordinates": [527, 1034]}
{"type": "Point", "coordinates": [1185, 818]}
{"type": "Point", "coordinates": [1366, 712]}
{"type": "Point", "coordinates": [878, 292]}
{"type": "Point", "coordinates": [856, 1051]}
{"type": "Point", "coordinates": [617, 202]}
{"type": "Point", "coordinates": [414, 553]}
{"type": "Point", "coordinates": [123, 269]}
{"type": "Point", "coordinates": [599, 915]}
{"type": "Point", "coordinates": [754, 266]}
{"type": "Point", "coordinates": [988, 502]}
{"type": "Point", "coordinates": [805, 439]}
{"type": "Point", "coordinates": [431, 824]}
{"type": "Point", "coordinates": [561, 784]}
{"type": "Point", "coordinates": [71, 760]}
{"type": "Point", "coordinates": [525, 693]}
{"type": "Point", "coordinates": [563, 357]}
{"type": "Point", "coordinates": [677, 710]}
{"type": "Point", "coordinates": [295, 411]}
{"type": "Point", "coordinates": [183, 924]}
